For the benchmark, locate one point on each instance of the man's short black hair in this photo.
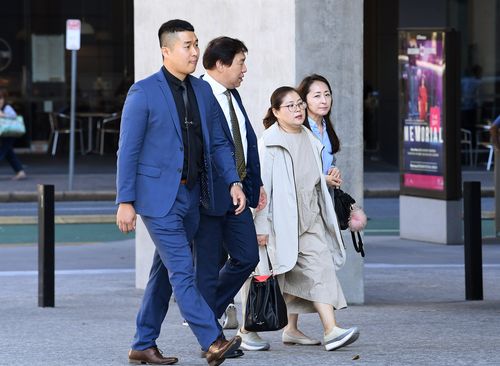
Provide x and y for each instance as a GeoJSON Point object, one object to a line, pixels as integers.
{"type": "Point", "coordinates": [222, 49]}
{"type": "Point", "coordinates": [172, 26]}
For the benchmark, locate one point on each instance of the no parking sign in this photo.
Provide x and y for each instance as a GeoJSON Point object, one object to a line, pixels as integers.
{"type": "Point", "coordinates": [73, 31]}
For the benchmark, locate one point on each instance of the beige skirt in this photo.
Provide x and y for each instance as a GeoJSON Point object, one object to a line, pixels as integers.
{"type": "Point", "coordinates": [313, 278]}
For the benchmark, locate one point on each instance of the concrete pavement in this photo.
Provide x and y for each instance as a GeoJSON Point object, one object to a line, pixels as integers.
{"type": "Point", "coordinates": [415, 313]}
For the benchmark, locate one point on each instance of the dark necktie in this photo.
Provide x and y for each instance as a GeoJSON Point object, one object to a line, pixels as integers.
{"type": "Point", "coordinates": [238, 145]}
{"type": "Point", "coordinates": [186, 103]}
{"type": "Point", "coordinates": [204, 191]}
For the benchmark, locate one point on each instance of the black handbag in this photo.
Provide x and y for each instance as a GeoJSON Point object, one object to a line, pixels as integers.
{"type": "Point", "coordinates": [265, 309]}
{"type": "Point", "coordinates": [344, 203]}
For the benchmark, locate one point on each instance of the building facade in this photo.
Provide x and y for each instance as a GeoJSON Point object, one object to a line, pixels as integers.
{"type": "Point", "coordinates": [35, 67]}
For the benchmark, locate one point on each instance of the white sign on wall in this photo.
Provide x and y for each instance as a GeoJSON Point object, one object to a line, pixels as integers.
{"type": "Point", "coordinates": [73, 31]}
{"type": "Point", "coordinates": [47, 55]}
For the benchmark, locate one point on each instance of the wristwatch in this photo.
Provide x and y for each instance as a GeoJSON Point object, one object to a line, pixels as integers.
{"type": "Point", "coordinates": [239, 184]}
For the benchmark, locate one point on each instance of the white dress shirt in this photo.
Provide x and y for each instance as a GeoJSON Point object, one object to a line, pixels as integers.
{"type": "Point", "coordinates": [218, 89]}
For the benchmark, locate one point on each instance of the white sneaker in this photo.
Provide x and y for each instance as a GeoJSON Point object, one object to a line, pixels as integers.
{"type": "Point", "coordinates": [340, 337]}
{"type": "Point", "coordinates": [230, 319]}
{"type": "Point", "coordinates": [251, 341]}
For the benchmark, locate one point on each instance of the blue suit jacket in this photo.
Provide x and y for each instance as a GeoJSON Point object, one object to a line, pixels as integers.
{"type": "Point", "coordinates": [252, 181]}
{"type": "Point", "coordinates": [150, 152]}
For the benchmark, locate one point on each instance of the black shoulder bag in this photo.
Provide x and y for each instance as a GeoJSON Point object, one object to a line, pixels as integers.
{"type": "Point", "coordinates": [344, 206]}
{"type": "Point", "coordinates": [265, 309]}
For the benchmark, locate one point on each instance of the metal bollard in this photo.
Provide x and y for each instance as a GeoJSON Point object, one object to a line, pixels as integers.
{"type": "Point", "coordinates": [473, 241]}
{"type": "Point", "coordinates": [46, 261]}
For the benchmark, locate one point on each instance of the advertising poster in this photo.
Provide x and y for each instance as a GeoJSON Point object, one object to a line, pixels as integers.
{"type": "Point", "coordinates": [424, 108]}
{"type": "Point", "coordinates": [422, 66]}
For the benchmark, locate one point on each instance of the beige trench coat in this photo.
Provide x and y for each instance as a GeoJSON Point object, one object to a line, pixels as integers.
{"type": "Point", "coordinates": [279, 219]}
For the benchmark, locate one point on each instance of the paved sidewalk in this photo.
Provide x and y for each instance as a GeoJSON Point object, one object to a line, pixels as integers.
{"type": "Point", "coordinates": [94, 179]}
{"type": "Point", "coordinates": [415, 313]}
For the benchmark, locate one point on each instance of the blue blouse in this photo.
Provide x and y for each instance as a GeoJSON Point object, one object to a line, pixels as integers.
{"type": "Point", "coordinates": [327, 156]}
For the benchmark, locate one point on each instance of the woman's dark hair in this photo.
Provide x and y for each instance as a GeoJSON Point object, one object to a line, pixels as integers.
{"type": "Point", "coordinates": [303, 89]}
{"type": "Point", "coordinates": [276, 100]}
{"type": "Point", "coordinates": [222, 49]}
{"type": "Point", "coordinates": [173, 26]}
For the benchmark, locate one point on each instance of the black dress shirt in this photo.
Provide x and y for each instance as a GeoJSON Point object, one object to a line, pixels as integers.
{"type": "Point", "coordinates": [192, 137]}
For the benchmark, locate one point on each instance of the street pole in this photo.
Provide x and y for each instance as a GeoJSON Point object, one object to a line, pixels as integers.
{"type": "Point", "coordinates": [73, 33]}
{"type": "Point", "coordinates": [473, 254]}
{"type": "Point", "coordinates": [46, 242]}
{"type": "Point", "coordinates": [72, 121]}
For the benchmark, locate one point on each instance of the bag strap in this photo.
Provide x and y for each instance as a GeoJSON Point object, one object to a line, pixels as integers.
{"type": "Point", "coordinates": [269, 263]}
{"type": "Point", "coordinates": [358, 246]}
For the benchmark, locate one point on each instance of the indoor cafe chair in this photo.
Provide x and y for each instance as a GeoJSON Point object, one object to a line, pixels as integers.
{"type": "Point", "coordinates": [110, 124]}
{"type": "Point", "coordinates": [60, 124]}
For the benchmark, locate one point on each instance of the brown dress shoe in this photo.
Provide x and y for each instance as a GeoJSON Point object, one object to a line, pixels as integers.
{"type": "Point", "coordinates": [150, 356]}
{"type": "Point", "coordinates": [217, 352]}
{"type": "Point", "coordinates": [234, 354]}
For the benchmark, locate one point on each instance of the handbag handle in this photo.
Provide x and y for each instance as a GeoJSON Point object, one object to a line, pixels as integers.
{"type": "Point", "coordinates": [269, 262]}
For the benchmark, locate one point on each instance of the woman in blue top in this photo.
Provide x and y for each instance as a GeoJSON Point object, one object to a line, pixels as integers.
{"type": "Point", "coordinates": [317, 93]}
{"type": "Point", "coordinates": [7, 143]}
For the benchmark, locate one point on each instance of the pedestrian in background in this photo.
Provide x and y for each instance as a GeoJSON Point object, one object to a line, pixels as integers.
{"type": "Point", "coordinates": [469, 103]}
{"type": "Point", "coordinates": [170, 132]}
{"type": "Point", "coordinates": [7, 143]}
{"type": "Point", "coordinates": [299, 226]}
{"type": "Point", "coordinates": [221, 231]}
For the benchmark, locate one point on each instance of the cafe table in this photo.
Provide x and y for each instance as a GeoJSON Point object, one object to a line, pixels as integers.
{"type": "Point", "coordinates": [92, 117]}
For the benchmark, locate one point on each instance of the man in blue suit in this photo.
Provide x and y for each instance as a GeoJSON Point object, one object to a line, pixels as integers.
{"type": "Point", "coordinates": [170, 140]}
{"type": "Point", "coordinates": [221, 228]}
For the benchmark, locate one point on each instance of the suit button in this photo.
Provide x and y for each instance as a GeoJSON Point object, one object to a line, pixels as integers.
{"type": "Point", "coordinates": [179, 170]}
{"type": "Point", "coordinates": [181, 148]}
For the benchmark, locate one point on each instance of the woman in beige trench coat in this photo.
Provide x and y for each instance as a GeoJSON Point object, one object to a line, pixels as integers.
{"type": "Point", "coordinates": [299, 227]}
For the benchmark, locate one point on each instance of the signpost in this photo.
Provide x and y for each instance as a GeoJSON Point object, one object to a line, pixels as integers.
{"type": "Point", "coordinates": [73, 31]}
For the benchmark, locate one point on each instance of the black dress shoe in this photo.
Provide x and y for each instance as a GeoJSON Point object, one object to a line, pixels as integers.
{"type": "Point", "coordinates": [231, 354]}
{"type": "Point", "coordinates": [150, 356]}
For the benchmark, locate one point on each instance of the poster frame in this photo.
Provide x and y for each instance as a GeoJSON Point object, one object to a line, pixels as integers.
{"type": "Point", "coordinates": [450, 159]}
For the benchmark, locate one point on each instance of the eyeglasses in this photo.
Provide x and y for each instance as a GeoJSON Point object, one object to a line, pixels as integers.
{"type": "Point", "coordinates": [293, 107]}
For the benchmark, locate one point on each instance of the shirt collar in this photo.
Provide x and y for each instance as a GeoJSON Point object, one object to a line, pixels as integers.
{"type": "Point", "coordinates": [314, 126]}
{"type": "Point", "coordinates": [217, 88]}
{"type": "Point", "coordinates": [172, 80]}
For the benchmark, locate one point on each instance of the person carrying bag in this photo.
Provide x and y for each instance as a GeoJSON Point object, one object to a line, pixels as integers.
{"type": "Point", "coordinates": [11, 126]}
